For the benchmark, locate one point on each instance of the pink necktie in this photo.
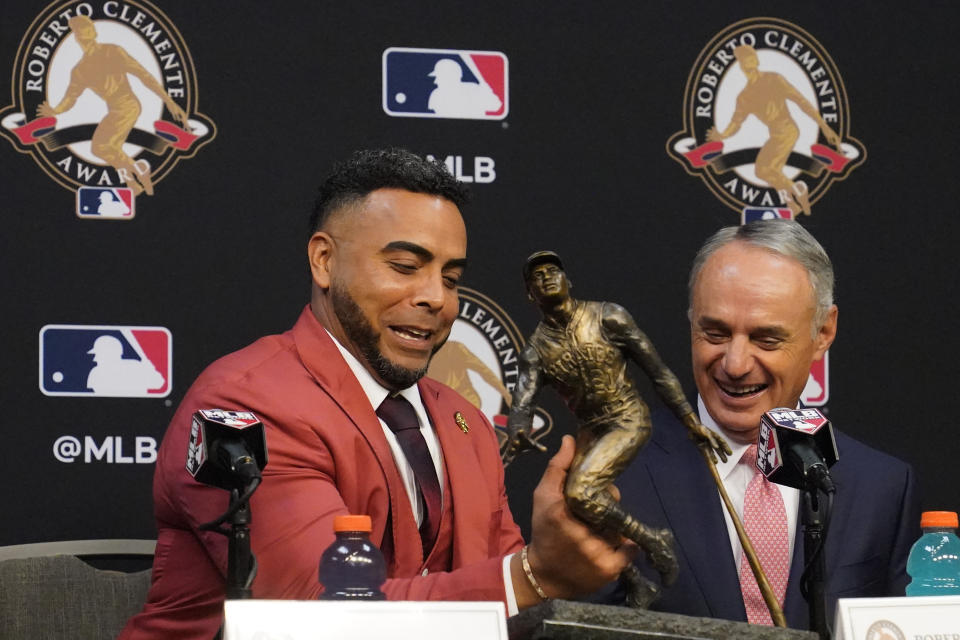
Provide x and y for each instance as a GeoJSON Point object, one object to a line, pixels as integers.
{"type": "Point", "coordinates": [765, 521]}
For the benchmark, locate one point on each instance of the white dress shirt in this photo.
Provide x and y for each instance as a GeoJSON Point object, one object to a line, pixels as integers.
{"type": "Point", "coordinates": [376, 393]}
{"type": "Point", "coordinates": [735, 479]}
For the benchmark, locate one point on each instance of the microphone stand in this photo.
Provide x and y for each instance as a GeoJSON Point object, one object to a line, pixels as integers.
{"type": "Point", "coordinates": [814, 517]}
{"type": "Point", "coordinates": [240, 562]}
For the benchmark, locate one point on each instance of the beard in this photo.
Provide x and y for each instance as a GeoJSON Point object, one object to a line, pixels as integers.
{"type": "Point", "coordinates": [362, 335]}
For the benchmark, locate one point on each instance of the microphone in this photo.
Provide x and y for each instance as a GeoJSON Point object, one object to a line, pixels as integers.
{"type": "Point", "coordinates": [796, 448]}
{"type": "Point", "coordinates": [227, 449]}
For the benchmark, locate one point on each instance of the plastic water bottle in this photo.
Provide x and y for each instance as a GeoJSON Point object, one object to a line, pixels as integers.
{"type": "Point", "coordinates": [352, 568]}
{"type": "Point", "coordinates": [934, 562]}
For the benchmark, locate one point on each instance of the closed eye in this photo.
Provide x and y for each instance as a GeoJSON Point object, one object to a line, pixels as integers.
{"type": "Point", "coordinates": [715, 336]}
{"type": "Point", "coordinates": [403, 267]}
{"type": "Point", "coordinates": [768, 342]}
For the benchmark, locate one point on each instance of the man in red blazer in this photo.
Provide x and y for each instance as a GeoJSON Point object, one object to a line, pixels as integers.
{"type": "Point", "coordinates": [387, 249]}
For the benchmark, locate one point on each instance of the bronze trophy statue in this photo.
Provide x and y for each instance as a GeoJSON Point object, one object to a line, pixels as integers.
{"type": "Point", "coordinates": [581, 349]}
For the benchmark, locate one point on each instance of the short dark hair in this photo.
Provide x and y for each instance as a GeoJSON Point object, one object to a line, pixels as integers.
{"type": "Point", "coordinates": [372, 169]}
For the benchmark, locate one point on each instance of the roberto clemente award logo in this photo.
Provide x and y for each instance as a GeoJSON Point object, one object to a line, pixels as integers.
{"type": "Point", "coordinates": [766, 120]}
{"type": "Point", "coordinates": [105, 100]}
{"type": "Point", "coordinates": [479, 361]}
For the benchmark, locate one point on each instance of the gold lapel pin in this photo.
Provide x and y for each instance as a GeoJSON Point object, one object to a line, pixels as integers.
{"type": "Point", "coordinates": [461, 422]}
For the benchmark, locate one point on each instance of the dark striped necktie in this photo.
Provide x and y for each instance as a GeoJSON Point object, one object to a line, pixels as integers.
{"type": "Point", "coordinates": [400, 416]}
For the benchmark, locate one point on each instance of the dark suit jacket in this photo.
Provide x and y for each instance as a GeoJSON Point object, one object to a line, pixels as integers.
{"type": "Point", "coordinates": [876, 519]}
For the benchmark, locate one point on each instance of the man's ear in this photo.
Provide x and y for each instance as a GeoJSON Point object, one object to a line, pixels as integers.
{"type": "Point", "coordinates": [826, 333]}
{"type": "Point", "coordinates": [320, 250]}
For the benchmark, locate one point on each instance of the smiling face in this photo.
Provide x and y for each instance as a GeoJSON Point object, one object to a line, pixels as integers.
{"type": "Point", "coordinates": [751, 319]}
{"type": "Point", "coordinates": [386, 271]}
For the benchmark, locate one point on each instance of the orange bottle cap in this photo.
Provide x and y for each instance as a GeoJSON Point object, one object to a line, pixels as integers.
{"type": "Point", "coordinates": [352, 523]}
{"type": "Point", "coordinates": [938, 519]}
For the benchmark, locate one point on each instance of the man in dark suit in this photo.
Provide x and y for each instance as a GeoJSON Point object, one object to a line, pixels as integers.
{"type": "Point", "coordinates": [761, 311]}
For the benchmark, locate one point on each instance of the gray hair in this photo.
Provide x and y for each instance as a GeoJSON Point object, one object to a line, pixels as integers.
{"type": "Point", "coordinates": [785, 238]}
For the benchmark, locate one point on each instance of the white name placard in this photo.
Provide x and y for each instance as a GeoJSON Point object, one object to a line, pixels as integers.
{"type": "Point", "coordinates": [916, 618]}
{"type": "Point", "coordinates": [323, 619]}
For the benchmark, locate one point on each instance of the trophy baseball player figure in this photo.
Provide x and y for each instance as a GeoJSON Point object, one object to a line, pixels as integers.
{"type": "Point", "coordinates": [581, 349]}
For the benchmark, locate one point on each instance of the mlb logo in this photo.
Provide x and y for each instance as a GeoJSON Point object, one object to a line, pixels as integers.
{"type": "Point", "coordinates": [806, 421]}
{"type": "Point", "coordinates": [106, 361]}
{"type": "Point", "coordinates": [817, 391]}
{"type": "Point", "coordinates": [764, 213]}
{"type": "Point", "coordinates": [105, 204]}
{"type": "Point", "coordinates": [234, 419]}
{"type": "Point", "coordinates": [768, 450]}
{"type": "Point", "coordinates": [196, 449]}
{"type": "Point", "coordinates": [445, 83]}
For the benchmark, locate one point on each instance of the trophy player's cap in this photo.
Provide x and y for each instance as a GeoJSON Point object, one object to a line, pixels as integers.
{"type": "Point", "coordinates": [540, 257]}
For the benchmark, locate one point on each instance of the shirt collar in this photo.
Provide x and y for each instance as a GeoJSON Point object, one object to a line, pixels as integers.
{"type": "Point", "coordinates": [375, 392]}
{"type": "Point", "coordinates": [738, 449]}
{"type": "Point", "coordinates": [723, 467]}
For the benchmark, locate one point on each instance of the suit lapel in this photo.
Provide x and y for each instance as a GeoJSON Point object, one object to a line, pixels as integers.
{"type": "Point", "coordinates": [462, 468]}
{"type": "Point", "coordinates": [694, 512]}
{"type": "Point", "coordinates": [795, 606]}
{"type": "Point", "coordinates": [323, 360]}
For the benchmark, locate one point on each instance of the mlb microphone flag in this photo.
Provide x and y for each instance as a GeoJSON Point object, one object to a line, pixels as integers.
{"type": "Point", "coordinates": [212, 431]}
{"type": "Point", "coordinates": [804, 431]}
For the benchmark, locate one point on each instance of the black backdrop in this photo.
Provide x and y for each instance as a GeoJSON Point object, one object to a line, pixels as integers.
{"type": "Point", "coordinates": [595, 89]}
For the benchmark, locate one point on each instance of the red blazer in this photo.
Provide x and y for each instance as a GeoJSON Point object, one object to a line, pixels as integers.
{"type": "Point", "coordinates": [327, 455]}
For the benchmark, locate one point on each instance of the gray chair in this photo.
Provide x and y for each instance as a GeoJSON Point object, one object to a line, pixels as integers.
{"type": "Point", "coordinates": [61, 596]}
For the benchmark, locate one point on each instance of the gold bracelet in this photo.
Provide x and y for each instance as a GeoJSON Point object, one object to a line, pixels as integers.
{"type": "Point", "coordinates": [533, 581]}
